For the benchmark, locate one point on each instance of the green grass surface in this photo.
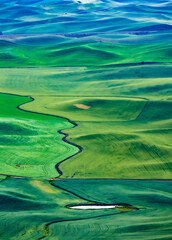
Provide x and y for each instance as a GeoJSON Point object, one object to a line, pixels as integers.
{"type": "Point", "coordinates": [29, 143]}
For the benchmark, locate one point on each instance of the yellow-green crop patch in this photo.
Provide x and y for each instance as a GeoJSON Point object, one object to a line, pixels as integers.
{"type": "Point", "coordinates": [89, 108]}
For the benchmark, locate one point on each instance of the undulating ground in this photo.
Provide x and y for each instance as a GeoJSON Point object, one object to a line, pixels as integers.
{"type": "Point", "coordinates": [85, 120]}
{"type": "Point", "coordinates": [125, 123]}
{"type": "Point", "coordinates": [36, 209]}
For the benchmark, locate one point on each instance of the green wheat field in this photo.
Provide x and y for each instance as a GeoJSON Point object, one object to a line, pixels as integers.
{"type": "Point", "coordinates": [85, 120]}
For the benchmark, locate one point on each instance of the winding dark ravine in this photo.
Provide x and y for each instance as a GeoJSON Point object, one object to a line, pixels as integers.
{"type": "Point", "coordinates": [80, 149]}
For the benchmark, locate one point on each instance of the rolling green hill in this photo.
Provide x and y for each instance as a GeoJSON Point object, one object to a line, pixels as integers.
{"type": "Point", "coordinates": [86, 53]}
{"type": "Point", "coordinates": [124, 124]}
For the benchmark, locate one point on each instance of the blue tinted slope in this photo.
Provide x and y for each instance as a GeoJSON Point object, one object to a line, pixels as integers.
{"type": "Point", "coordinates": [34, 17]}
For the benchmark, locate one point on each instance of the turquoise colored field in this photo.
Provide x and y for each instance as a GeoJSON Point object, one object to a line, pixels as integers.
{"type": "Point", "coordinates": [85, 120]}
{"type": "Point", "coordinates": [37, 209]}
